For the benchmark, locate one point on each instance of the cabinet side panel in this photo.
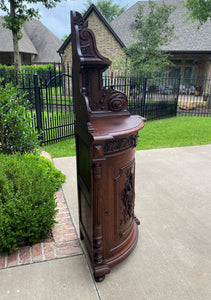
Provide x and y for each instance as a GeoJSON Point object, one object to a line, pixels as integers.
{"type": "Point", "coordinates": [84, 191]}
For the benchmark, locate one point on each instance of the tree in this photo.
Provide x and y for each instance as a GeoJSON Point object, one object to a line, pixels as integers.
{"type": "Point", "coordinates": [107, 8]}
{"type": "Point", "coordinates": [198, 10]}
{"type": "Point", "coordinates": [152, 31]}
{"type": "Point", "coordinates": [16, 15]}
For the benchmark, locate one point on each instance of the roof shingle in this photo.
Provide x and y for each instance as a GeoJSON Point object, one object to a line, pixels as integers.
{"type": "Point", "coordinates": [37, 39]}
{"type": "Point", "coordinates": [188, 38]}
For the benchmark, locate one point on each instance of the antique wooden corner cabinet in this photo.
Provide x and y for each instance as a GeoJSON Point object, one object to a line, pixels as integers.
{"type": "Point", "coordinates": [106, 137]}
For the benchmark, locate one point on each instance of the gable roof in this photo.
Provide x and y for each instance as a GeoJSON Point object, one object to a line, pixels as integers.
{"type": "Point", "coordinates": [91, 9]}
{"type": "Point", "coordinates": [45, 42]}
{"type": "Point", "coordinates": [188, 38]}
{"type": "Point", "coordinates": [37, 39]}
{"type": "Point", "coordinates": [6, 45]}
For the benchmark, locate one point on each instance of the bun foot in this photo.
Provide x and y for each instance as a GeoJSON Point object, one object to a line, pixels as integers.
{"type": "Point", "coordinates": [81, 236]}
{"type": "Point", "coordinates": [136, 220]}
{"type": "Point", "coordinates": [99, 278]}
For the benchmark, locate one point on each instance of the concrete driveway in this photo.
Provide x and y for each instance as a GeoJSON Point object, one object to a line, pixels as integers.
{"type": "Point", "coordinates": [172, 259]}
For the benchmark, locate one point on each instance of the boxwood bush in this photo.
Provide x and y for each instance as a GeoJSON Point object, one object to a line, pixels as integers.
{"type": "Point", "coordinates": [24, 77]}
{"type": "Point", "coordinates": [27, 201]}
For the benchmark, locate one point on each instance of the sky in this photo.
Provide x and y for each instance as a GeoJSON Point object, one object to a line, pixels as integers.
{"type": "Point", "coordinates": [57, 19]}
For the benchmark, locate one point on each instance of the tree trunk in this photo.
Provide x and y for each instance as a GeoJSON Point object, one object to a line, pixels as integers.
{"type": "Point", "coordinates": [15, 39]}
{"type": "Point", "coordinates": [16, 51]}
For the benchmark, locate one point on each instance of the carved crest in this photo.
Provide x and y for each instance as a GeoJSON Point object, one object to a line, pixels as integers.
{"type": "Point", "coordinates": [79, 21]}
{"type": "Point", "coordinates": [117, 100]}
{"type": "Point", "coordinates": [88, 67]}
{"type": "Point", "coordinates": [85, 40]}
{"type": "Point", "coordinates": [109, 100]}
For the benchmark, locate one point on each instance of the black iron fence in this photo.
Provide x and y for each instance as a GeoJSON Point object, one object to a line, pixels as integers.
{"type": "Point", "coordinates": [152, 98]}
{"type": "Point", "coordinates": [50, 96]}
{"type": "Point", "coordinates": [194, 98]}
{"type": "Point", "coordinates": [163, 96]}
{"type": "Point", "coordinates": [52, 105]}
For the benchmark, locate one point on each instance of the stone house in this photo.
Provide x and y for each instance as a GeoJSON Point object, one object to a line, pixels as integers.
{"type": "Point", "coordinates": [108, 42]}
{"type": "Point", "coordinates": [37, 46]}
{"type": "Point", "coordinates": [190, 50]}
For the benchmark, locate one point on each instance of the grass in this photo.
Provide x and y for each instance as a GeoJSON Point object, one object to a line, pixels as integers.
{"type": "Point", "coordinates": [165, 133]}
{"type": "Point", "coordinates": [54, 123]}
{"type": "Point", "coordinates": [175, 132]}
{"type": "Point", "coordinates": [63, 148]}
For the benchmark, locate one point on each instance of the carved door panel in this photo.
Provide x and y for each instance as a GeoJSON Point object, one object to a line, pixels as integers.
{"type": "Point", "coordinates": [119, 206]}
{"type": "Point", "coordinates": [124, 195]}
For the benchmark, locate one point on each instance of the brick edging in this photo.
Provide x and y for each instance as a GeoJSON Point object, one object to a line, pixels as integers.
{"type": "Point", "coordinates": [64, 243]}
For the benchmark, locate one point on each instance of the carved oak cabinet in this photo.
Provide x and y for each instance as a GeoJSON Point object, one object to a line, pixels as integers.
{"type": "Point", "coordinates": [106, 137]}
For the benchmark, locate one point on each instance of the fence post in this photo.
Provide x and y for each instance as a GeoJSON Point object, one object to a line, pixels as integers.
{"type": "Point", "coordinates": [209, 102]}
{"type": "Point", "coordinates": [144, 97]}
{"type": "Point", "coordinates": [177, 95]}
{"type": "Point", "coordinates": [38, 106]}
{"type": "Point", "coordinates": [72, 90]}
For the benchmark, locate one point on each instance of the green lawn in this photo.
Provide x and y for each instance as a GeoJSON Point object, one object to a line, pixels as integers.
{"type": "Point", "coordinates": [165, 133]}
{"type": "Point", "coordinates": [63, 148]}
{"type": "Point", "coordinates": [175, 132]}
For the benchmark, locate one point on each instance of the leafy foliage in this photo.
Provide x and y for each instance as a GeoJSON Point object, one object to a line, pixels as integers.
{"type": "Point", "coordinates": [22, 13]}
{"type": "Point", "coordinates": [64, 37]}
{"type": "Point", "coordinates": [17, 14]}
{"type": "Point", "coordinates": [25, 74]}
{"type": "Point", "coordinates": [107, 8]}
{"type": "Point", "coordinates": [198, 10]}
{"type": "Point", "coordinates": [27, 204]}
{"type": "Point", "coordinates": [16, 135]}
{"type": "Point", "coordinates": [152, 31]}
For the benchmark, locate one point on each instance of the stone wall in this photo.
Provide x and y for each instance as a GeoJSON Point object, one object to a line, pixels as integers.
{"type": "Point", "coordinates": [107, 45]}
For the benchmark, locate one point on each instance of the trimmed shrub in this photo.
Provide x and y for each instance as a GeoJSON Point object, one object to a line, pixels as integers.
{"type": "Point", "coordinates": [27, 202]}
{"type": "Point", "coordinates": [16, 134]}
{"type": "Point", "coordinates": [24, 77]}
{"type": "Point", "coordinates": [7, 73]}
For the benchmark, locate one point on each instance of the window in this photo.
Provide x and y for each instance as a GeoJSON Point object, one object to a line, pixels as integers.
{"type": "Point", "coordinates": [173, 75]}
{"type": "Point", "coordinates": [189, 76]}
{"type": "Point", "coordinates": [176, 61]}
{"type": "Point", "coordinates": [190, 61]}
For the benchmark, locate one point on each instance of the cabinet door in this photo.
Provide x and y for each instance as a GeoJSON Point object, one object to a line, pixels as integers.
{"type": "Point", "coordinates": [119, 203]}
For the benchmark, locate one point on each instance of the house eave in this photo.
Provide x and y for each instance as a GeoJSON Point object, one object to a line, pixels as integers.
{"type": "Point", "coordinates": [174, 52]}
